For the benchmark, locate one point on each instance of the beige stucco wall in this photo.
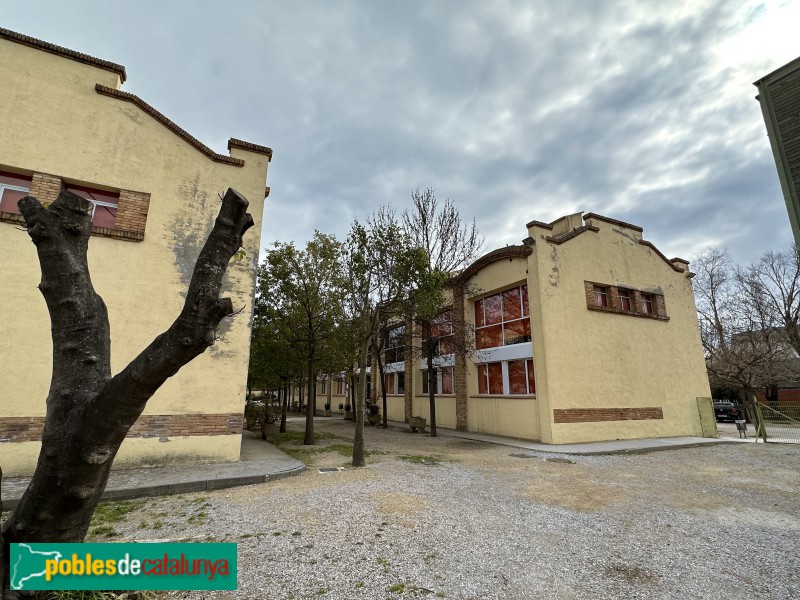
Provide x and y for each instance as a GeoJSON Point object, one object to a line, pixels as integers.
{"type": "Point", "coordinates": [594, 359]}
{"type": "Point", "coordinates": [54, 122]}
{"type": "Point", "coordinates": [512, 416]}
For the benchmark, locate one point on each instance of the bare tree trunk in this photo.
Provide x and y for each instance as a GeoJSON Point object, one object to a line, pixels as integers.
{"type": "Point", "coordinates": [284, 407]}
{"type": "Point", "coordinates": [89, 412]}
{"type": "Point", "coordinates": [431, 383]}
{"type": "Point", "coordinates": [358, 434]}
{"type": "Point", "coordinates": [309, 435]}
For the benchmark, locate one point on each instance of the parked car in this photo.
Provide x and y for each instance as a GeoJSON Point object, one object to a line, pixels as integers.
{"type": "Point", "coordinates": [727, 411]}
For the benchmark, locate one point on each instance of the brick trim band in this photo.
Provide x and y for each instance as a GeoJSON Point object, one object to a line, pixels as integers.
{"type": "Point", "coordinates": [594, 415]}
{"type": "Point", "coordinates": [29, 429]}
{"type": "Point", "coordinates": [119, 234]}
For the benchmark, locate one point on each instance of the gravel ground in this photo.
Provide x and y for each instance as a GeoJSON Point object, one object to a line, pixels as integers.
{"type": "Point", "coordinates": [479, 522]}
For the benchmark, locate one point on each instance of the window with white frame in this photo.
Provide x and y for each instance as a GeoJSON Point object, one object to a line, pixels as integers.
{"type": "Point", "coordinates": [442, 380]}
{"type": "Point", "coordinates": [394, 383]}
{"type": "Point", "coordinates": [442, 333]}
{"type": "Point", "coordinates": [340, 387]}
{"type": "Point", "coordinates": [503, 319]}
{"type": "Point", "coordinates": [104, 204]}
{"type": "Point", "coordinates": [13, 188]}
{"type": "Point", "coordinates": [507, 378]}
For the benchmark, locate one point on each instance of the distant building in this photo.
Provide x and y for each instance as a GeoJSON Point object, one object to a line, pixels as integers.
{"type": "Point", "coordinates": [67, 124]}
{"type": "Point", "coordinates": [586, 332]}
{"type": "Point", "coordinates": [779, 96]}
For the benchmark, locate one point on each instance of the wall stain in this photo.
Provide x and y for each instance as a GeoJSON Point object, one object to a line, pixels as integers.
{"type": "Point", "coordinates": [189, 233]}
{"type": "Point", "coordinates": [555, 275]}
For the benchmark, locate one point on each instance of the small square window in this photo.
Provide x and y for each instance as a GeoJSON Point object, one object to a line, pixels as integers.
{"type": "Point", "coordinates": [624, 300]}
{"type": "Point", "coordinates": [647, 304]}
{"type": "Point", "coordinates": [600, 295]}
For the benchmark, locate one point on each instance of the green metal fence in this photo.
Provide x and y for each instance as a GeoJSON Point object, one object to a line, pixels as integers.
{"type": "Point", "coordinates": [778, 422]}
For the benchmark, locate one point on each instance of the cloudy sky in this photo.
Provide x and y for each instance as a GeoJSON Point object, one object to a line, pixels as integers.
{"type": "Point", "coordinates": [639, 110]}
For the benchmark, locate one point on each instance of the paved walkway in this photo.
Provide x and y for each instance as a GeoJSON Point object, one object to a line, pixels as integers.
{"type": "Point", "coordinates": [588, 448]}
{"type": "Point", "coordinates": [259, 462]}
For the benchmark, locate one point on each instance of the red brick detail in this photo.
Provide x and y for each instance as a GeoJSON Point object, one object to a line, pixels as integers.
{"type": "Point", "coordinates": [29, 429]}
{"type": "Point", "coordinates": [45, 188]}
{"type": "Point", "coordinates": [21, 429]}
{"type": "Point", "coordinates": [637, 309]}
{"type": "Point", "coordinates": [561, 238]}
{"type": "Point", "coordinates": [594, 415]}
{"type": "Point", "coordinates": [132, 211]}
{"type": "Point", "coordinates": [182, 133]}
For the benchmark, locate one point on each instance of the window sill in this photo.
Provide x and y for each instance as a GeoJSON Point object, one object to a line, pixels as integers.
{"type": "Point", "coordinates": [608, 309]}
{"type": "Point", "coordinates": [505, 397]}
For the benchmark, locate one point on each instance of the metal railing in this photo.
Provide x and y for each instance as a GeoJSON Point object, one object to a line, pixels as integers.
{"type": "Point", "coordinates": [778, 422]}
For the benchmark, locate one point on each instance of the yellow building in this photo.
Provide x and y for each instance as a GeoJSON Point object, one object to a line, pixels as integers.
{"type": "Point", "coordinates": [586, 332]}
{"type": "Point", "coordinates": [155, 189]}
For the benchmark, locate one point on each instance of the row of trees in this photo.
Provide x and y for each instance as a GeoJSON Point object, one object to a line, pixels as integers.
{"type": "Point", "coordinates": [749, 321]}
{"type": "Point", "coordinates": [327, 308]}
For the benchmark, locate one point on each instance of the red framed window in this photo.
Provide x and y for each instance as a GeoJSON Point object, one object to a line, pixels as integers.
{"type": "Point", "coordinates": [624, 297]}
{"type": "Point", "coordinates": [503, 319]}
{"type": "Point", "coordinates": [104, 204]}
{"type": "Point", "coordinates": [600, 295]}
{"type": "Point", "coordinates": [13, 188]}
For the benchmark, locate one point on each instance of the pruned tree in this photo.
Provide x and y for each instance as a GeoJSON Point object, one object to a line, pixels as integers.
{"type": "Point", "coordinates": [448, 245]}
{"type": "Point", "coordinates": [305, 288]}
{"type": "Point", "coordinates": [89, 411]}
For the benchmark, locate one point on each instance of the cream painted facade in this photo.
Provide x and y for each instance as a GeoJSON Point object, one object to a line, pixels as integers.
{"type": "Point", "coordinates": [66, 122]}
{"type": "Point", "coordinates": [631, 369]}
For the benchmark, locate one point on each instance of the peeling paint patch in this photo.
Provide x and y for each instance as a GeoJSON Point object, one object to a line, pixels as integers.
{"type": "Point", "coordinates": [555, 275]}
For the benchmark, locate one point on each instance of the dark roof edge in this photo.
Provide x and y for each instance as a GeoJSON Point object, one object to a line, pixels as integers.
{"type": "Point", "coordinates": [65, 52]}
{"type": "Point", "coordinates": [664, 258]}
{"type": "Point", "coordinates": [560, 239]}
{"type": "Point", "coordinates": [612, 221]}
{"type": "Point", "coordinates": [491, 257]}
{"type": "Point", "coordinates": [235, 143]}
{"type": "Point", "coordinates": [182, 133]}
{"type": "Point", "coordinates": [779, 73]}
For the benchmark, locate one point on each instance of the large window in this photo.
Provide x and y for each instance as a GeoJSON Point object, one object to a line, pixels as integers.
{"type": "Point", "coordinates": [394, 383]}
{"type": "Point", "coordinates": [503, 319]}
{"type": "Point", "coordinates": [395, 345]}
{"type": "Point", "coordinates": [507, 378]}
{"type": "Point", "coordinates": [340, 387]}
{"type": "Point", "coordinates": [104, 204]}
{"type": "Point", "coordinates": [442, 333]}
{"type": "Point", "coordinates": [13, 187]}
{"type": "Point", "coordinates": [442, 380]}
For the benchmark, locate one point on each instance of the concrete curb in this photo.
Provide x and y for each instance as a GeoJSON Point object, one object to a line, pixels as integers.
{"type": "Point", "coordinates": [183, 487]}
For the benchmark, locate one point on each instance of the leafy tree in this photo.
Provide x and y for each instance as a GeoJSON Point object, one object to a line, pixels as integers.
{"type": "Point", "coordinates": [304, 288]}
{"type": "Point", "coordinates": [380, 264]}
{"type": "Point", "coordinates": [89, 411]}
{"type": "Point", "coordinates": [447, 245]}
